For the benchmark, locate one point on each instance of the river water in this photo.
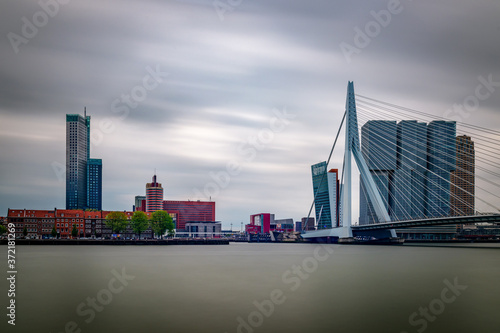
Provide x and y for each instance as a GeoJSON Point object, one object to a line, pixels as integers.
{"type": "Point", "coordinates": [257, 288]}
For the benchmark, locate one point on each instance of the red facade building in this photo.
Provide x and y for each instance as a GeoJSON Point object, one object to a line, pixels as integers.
{"type": "Point", "coordinates": [154, 196]}
{"type": "Point", "coordinates": [190, 211]}
{"type": "Point", "coordinates": [260, 223]}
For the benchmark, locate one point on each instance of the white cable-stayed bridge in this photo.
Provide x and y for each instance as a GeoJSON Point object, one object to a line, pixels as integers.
{"type": "Point", "coordinates": [415, 170]}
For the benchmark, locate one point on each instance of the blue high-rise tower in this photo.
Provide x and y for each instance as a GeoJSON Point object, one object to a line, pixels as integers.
{"type": "Point", "coordinates": [94, 183]}
{"type": "Point", "coordinates": [77, 152]}
{"type": "Point", "coordinates": [80, 194]}
{"type": "Point", "coordinates": [441, 150]}
{"type": "Point", "coordinates": [322, 199]}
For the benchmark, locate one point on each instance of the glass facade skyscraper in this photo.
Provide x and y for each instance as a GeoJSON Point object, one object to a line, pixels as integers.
{"type": "Point", "coordinates": [94, 183]}
{"type": "Point", "coordinates": [441, 152]}
{"type": "Point", "coordinates": [83, 175]}
{"type": "Point", "coordinates": [322, 199]}
{"type": "Point", "coordinates": [379, 149]}
{"type": "Point", "coordinates": [326, 188]}
{"type": "Point", "coordinates": [409, 176]}
{"type": "Point", "coordinates": [77, 152]}
{"type": "Point", "coordinates": [411, 163]}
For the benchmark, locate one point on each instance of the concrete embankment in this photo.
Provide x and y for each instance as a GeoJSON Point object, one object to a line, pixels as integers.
{"type": "Point", "coordinates": [175, 241]}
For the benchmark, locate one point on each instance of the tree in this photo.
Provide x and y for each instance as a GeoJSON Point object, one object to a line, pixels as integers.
{"type": "Point", "coordinates": [139, 222]}
{"type": "Point", "coordinates": [74, 231]}
{"type": "Point", "coordinates": [25, 232]}
{"type": "Point", "coordinates": [3, 230]}
{"type": "Point", "coordinates": [161, 221]}
{"type": "Point", "coordinates": [117, 221]}
{"type": "Point", "coordinates": [54, 232]}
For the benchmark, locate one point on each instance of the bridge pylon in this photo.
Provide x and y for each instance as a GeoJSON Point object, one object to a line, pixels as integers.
{"type": "Point", "coordinates": [352, 149]}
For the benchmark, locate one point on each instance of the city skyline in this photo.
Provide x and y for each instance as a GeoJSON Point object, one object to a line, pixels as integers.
{"type": "Point", "coordinates": [200, 95]}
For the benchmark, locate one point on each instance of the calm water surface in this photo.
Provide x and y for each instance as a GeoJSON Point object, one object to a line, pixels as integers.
{"type": "Point", "coordinates": [251, 288]}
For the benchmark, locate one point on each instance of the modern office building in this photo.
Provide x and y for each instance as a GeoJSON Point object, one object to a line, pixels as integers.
{"type": "Point", "coordinates": [441, 161]}
{"type": "Point", "coordinates": [283, 225]}
{"type": "Point", "coordinates": [463, 178]}
{"type": "Point", "coordinates": [182, 212]}
{"type": "Point", "coordinates": [334, 195]}
{"type": "Point", "coordinates": [140, 203]}
{"type": "Point", "coordinates": [260, 223]}
{"type": "Point", "coordinates": [77, 154]}
{"type": "Point", "coordinates": [411, 163]}
{"type": "Point", "coordinates": [189, 211]}
{"type": "Point", "coordinates": [263, 223]}
{"type": "Point", "coordinates": [326, 190]}
{"type": "Point", "coordinates": [94, 183]}
{"type": "Point", "coordinates": [409, 176]}
{"type": "Point", "coordinates": [154, 196]}
{"type": "Point", "coordinates": [379, 149]}
{"type": "Point", "coordinates": [83, 174]}
{"type": "Point", "coordinates": [321, 195]}
{"type": "Point", "coordinates": [307, 223]}
{"type": "Point", "coordinates": [203, 229]}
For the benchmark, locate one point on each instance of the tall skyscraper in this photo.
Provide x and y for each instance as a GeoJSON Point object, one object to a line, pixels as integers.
{"type": "Point", "coordinates": [409, 175]}
{"type": "Point", "coordinates": [463, 178]}
{"type": "Point", "coordinates": [379, 148]}
{"type": "Point", "coordinates": [322, 197]}
{"type": "Point", "coordinates": [77, 153]}
{"type": "Point", "coordinates": [326, 189]}
{"type": "Point", "coordinates": [83, 174]}
{"type": "Point", "coordinates": [154, 196]}
{"type": "Point", "coordinates": [411, 163]}
{"type": "Point", "coordinates": [441, 152]}
{"type": "Point", "coordinates": [334, 191]}
{"type": "Point", "coordinates": [94, 183]}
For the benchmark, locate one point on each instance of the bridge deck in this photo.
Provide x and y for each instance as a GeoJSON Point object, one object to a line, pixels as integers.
{"type": "Point", "coordinates": [490, 218]}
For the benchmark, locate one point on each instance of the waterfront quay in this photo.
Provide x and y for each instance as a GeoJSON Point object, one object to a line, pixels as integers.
{"type": "Point", "coordinates": [175, 241]}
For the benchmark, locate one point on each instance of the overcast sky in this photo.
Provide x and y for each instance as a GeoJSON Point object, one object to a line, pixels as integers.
{"type": "Point", "coordinates": [254, 84]}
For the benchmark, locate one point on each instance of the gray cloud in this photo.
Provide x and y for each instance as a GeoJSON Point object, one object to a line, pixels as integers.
{"type": "Point", "coordinates": [224, 79]}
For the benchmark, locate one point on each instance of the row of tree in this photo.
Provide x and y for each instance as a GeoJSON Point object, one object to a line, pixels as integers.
{"type": "Point", "coordinates": [160, 222]}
